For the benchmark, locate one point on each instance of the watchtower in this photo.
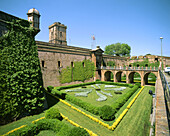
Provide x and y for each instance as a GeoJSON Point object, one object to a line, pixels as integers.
{"type": "Point", "coordinates": [34, 18]}
{"type": "Point", "coordinates": [57, 33]}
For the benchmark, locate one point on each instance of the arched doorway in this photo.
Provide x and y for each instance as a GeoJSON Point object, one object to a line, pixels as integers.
{"type": "Point", "coordinates": [150, 78]}
{"type": "Point", "coordinates": [108, 76]}
{"type": "Point", "coordinates": [118, 76]}
{"type": "Point", "coordinates": [134, 77]}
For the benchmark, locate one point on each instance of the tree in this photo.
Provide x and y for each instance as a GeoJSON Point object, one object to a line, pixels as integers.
{"type": "Point", "coordinates": [118, 49]}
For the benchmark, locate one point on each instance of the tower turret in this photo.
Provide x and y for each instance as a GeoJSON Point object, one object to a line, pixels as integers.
{"type": "Point", "coordinates": [57, 33]}
{"type": "Point", "coordinates": [34, 18]}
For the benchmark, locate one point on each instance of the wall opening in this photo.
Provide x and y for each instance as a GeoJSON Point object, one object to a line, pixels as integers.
{"type": "Point", "coordinates": [149, 79]}
{"type": "Point", "coordinates": [134, 77]}
{"type": "Point", "coordinates": [108, 76]}
{"type": "Point", "coordinates": [43, 63]}
{"type": "Point", "coordinates": [59, 64]}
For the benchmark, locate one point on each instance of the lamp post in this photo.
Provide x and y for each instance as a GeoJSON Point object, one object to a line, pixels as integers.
{"type": "Point", "coordinates": [161, 54]}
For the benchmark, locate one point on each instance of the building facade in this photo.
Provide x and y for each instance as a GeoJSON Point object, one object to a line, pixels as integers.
{"type": "Point", "coordinates": [56, 54]}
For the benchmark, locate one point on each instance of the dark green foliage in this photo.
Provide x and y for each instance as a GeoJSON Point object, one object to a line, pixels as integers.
{"type": "Point", "coordinates": [60, 128]}
{"type": "Point", "coordinates": [107, 112]}
{"type": "Point", "coordinates": [80, 72]}
{"type": "Point", "coordinates": [89, 107]}
{"type": "Point", "coordinates": [111, 63]}
{"type": "Point", "coordinates": [144, 63]}
{"type": "Point", "coordinates": [50, 88]}
{"type": "Point", "coordinates": [76, 131]}
{"type": "Point", "coordinates": [123, 99]}
{"type": "Point", "coordinates": [138, 84]}
{"type": "Point", "coordinates": [118, 49]}
{"type": "Point", "coordinates": [21, 85]}
{"type": "Point", "coordinates": [53, 113]}
{"type": "Point", "coordinates": [65, 76]}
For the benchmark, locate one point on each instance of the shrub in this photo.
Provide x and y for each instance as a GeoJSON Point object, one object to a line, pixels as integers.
{"type": "Point", "coordinates": [77, 131]}
{"type": "Point", "coordinates": [138, 84]}
{"type": "Point", "coordinates": [53, 113]}
{"type": "Point", "coordinates": [107, 112]}
{"type": "Point", "coordinates": [50, 88]}
{"type": "Point", "coordinates": [122, 99]}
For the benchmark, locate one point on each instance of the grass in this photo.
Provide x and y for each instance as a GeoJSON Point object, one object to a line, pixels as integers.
{"type": "Point", "coordinates": [135, 123]}
{"type": "Point", "coordinates": [93, 96]}
{"type": "Point", "coordinates": [24, 121]}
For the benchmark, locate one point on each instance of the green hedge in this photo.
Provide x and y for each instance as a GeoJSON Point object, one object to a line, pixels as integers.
{"type": "Point", "coordinates": [53, 113]}
{"type": "Point", "coordinates": [60, 128]}
{"type": "Point", "coordinates": [21, 88]}
{"type": "Point", "coordinates": [88, 106]}
{"type": "Point", "coordinates": [107, 113]}
{"type": "Point", "coordinates": [82, 70]}
{"type": "Point", "coordinates": [122, 99]}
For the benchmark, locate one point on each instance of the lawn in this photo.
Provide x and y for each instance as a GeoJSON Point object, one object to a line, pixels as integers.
{"type": "Point", "coordinates": [93, 96]}
{"type": "Point", "coordinates": [135, 123]}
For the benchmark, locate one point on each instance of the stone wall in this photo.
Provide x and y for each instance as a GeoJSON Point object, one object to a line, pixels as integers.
{"type": "Point", "coordinates": [54, 58]}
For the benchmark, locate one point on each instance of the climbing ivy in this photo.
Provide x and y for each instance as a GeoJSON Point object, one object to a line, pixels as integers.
{"type": "Point", "coordinates": [81, 71]}
{"type": "Point", "coordinates": [65, 76]}
{"type": "Point", "coordinates": [111, 63]}
{"type": "Point", "coordinates": [21, 85]}
{"type": "Point", "coordinates": [144, 63]}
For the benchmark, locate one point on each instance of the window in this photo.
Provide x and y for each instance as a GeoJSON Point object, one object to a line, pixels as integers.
{"type": "Point", "coordinates": [43, 63]}
{"type": "Point", "coordinates": [59, 64]}
{"type": "Point", "coordinates": [60, 34]}
{"type": "Point", "coordinates": [72, 64]}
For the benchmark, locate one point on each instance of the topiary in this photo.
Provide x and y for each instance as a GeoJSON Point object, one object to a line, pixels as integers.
{"type": "Point", "coordinates": [53, 113]}
{"type": "Point", "coordinates": [77, 131]}
{"type": "Point", "coordinates": [107, 113]}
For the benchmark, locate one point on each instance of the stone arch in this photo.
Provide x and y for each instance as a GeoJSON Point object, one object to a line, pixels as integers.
{"type": "Point", "coordinates": [117, 77]}
{"type": "Point", "coordinates": [131, 76]}
{"type": "Point", "coordinates": [107, 76]}
{"type": "Point", "coordinates": [145, 77]}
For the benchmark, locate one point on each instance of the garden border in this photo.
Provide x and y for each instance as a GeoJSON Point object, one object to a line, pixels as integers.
{"type": "Point", "coordinates": [100, 122]}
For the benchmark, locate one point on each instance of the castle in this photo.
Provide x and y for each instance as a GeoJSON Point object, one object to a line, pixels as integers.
{"type": "Point", "coordinates": [56, 54]}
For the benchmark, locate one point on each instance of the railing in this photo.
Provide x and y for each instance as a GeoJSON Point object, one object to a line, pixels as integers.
{"type": "Point", "coordinates": [129, 68]}
{"type": "Point", "coordinates": [166, 88]}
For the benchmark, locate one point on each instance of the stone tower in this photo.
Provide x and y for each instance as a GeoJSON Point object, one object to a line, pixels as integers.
{"type": "Point", "coordinates": [34, 18]}
{"type": "Point", "coordinates": [57, 33]}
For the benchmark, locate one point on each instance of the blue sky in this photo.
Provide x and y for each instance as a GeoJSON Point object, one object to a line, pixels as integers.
{"type": "Point", "coordinates": [139, 23]}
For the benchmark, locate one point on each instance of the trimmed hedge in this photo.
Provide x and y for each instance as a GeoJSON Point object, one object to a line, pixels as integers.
{"type": "Point", "coordinates": [122, 99]}
{"type": "Point", "coordinates": [107, 113]}
{"type": "Point", "coordinates": [89, 107]}
{"type": "Point", "coordinates": [53, 113]}
{"type": "Point", "coordinates": [60, 128]}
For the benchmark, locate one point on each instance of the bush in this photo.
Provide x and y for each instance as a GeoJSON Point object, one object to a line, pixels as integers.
{"type": "Point", "coordinates": [53, 113]}
{"type": "Point", "coordinates": [138, 84]}
{"type": "Point", "coordinates": [50, 88]}
{"type": "Point", "coordinates": [122, 99]}
{"type": "Point", "coordinates": [107, 113]}
{"type": "Point", "coordinates": [77, 131]}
